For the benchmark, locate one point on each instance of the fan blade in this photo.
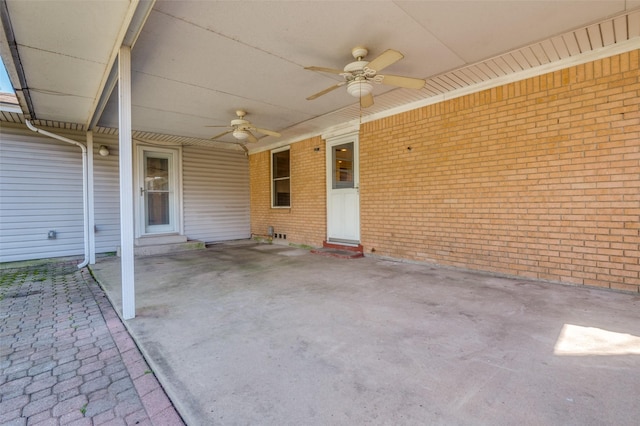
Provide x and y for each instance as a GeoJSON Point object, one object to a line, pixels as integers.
{"type": "Point", "coordinates": [266, 132]}
{"type": "Point", "coordinates": [387, 58]}
{"type": "Point", "coordinates": [325, 91]}
{"type": "Point", "coordinates": [222, 134]}
{"type": "Point", "coordinates": [323, 69]}
{"type": "Point", "coordinates": [251, 137]}
{"type": "Point", "coordinates": [366, 101]}
{"type": "Point", "coordinates": [218, 126]}
{"type": "Point", "coordinates": [408, 82]}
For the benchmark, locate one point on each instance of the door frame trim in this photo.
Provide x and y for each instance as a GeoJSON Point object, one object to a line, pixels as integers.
{"type": "Point", "coordinates": [178, 207]}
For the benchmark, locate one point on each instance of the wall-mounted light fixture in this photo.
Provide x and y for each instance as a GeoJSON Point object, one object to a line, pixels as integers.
{"type": "Point", "coordinates": [103, 151]}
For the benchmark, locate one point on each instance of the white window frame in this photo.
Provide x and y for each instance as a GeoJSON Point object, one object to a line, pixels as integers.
{"type": "Point", "coordinates": [272, 180]}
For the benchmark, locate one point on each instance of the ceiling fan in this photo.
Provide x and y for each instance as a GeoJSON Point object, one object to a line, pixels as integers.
{"type": "Point", "coordinates": [358, 75]}
{"type": "Point", "coordinates": [241, 129]}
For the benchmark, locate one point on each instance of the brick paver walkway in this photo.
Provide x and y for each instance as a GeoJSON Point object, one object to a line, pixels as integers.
{"type": "Point", "coordinates": [65, 356]}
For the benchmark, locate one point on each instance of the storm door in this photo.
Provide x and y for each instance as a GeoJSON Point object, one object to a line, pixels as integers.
{"type": "Point", "coordinates": [158, 190]}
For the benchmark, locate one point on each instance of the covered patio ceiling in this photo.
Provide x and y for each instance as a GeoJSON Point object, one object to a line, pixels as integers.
{"type": "Point", "coordinates": [194, 63]}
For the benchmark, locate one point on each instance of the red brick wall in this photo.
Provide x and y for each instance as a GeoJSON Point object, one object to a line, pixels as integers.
{"type": "Point", "coordinates": [304, 222]}
{"type": "Point", "coordinates": [539, 178]}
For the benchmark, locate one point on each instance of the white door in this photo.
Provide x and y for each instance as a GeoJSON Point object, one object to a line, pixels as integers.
{"type": "Point", "coordinates": [343, 198]}
{"type": "Point", "coordinates": [158, 206]}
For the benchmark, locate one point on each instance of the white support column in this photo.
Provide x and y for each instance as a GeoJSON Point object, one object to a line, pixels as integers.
{"type": "Point", "coordinates": [126, 184]}
{"type": "Point", "coordinates": [90, 202]}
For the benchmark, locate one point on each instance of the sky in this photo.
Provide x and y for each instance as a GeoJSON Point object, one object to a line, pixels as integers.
{"type": "Point", "coordinates": [5, 84]}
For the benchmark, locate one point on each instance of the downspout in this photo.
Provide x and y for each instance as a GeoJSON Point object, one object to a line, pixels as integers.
{"type": "Point", "coordinates": [85, 197]}
{"type": "Point", "coordinates": [91, 187]}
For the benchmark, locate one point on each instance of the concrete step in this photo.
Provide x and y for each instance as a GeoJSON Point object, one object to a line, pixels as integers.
{"type": "Point", "coordinates": [149, 250]}
{"type": "Point", "coordinates": [343, 251]}
{"type": "Point", "coordinates": [342, 254]}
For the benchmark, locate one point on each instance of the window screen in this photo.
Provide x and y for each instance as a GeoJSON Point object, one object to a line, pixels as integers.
{"type": "Point", "coordinates": [281, 188]}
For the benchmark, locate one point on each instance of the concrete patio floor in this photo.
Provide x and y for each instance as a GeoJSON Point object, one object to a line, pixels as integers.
{"type": "Point", "coordinates": [252, 333]}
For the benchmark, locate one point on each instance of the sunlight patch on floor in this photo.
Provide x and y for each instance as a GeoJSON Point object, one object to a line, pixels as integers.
{"type": "Point", "coordinates": [576, 340]}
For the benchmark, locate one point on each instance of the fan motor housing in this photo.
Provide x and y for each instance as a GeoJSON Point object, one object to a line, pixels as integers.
{"type": "Point", "coordinates": [239, 122]}
{"type": "Point", "coordinates": [355, 67]}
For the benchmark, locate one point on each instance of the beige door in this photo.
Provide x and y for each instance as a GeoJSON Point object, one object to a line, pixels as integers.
{"type": "Point", "coordinates": [343, 196]}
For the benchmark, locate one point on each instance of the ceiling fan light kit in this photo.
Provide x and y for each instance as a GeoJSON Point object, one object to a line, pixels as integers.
{"type": "Point", "coordinates": [359, 88]}
{"type": "Point", "coordinates": [241, 135]}
{"type": "Point", "coordinates": [241, 129]}
{"type": "Point", "coordinates": [358, 75]}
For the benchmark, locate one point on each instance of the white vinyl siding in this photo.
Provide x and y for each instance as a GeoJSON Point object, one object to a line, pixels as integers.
{"type": "Point", "coordinates": [40, 190]}
{"type": "Point", "coordinates": [106, 196]}
{"type": "Point", "coordinates": [216, 194]}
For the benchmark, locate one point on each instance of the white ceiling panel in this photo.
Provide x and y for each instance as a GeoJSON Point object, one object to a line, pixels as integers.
{"type": "Point", "coordinates": [584, 41]}
{"type": "Point", "coordinates": [550, 50]}
{"type": "Point", "coordinates": [65, 109]}
{"type": "Point", "coordinates": [503, 64]}
{"type": "Point", "coordinates": [571, 41]}
{"type": "Point", "coordinates": [196, 62]}
{"type": "Point", "coordinates": [540, 54]}
{"type": "Point", "coordinates": [495, 68]}
{"type": "Point", "coordinates": [185, 111]}
{"type": "Point", "coordinates": [560, 47]}
{"type": "Point", "coordinates": [58, 69]}
{"type": "Point", "coordinates": [634, 24]}
{"type": "Point", "coordinates": [204, 59]}
{"type": "Point", "coordinates": [595, 36]}
{"type": "Point", "coordinates": [530, 58]}
{"type": "Point", "coordinates": [77, 29]}
{"type": "Point", "coordinates": [523, 59]}
{"type": "Point", "coordinates": [321, 33]}
{"type": "Point", "coordinates": [620, 28]}
{"type": "Point", "coordinates": [476, 30]}
{"type": "Point", "coordinates": [607, 33]}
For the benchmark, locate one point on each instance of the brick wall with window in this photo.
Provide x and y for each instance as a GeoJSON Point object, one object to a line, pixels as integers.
{"type": "Point", "coordinates": [538, 178]}
{"type": "Point", "coordinates": [304, 221]}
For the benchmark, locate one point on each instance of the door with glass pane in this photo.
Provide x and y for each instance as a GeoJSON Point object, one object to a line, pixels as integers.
{"type": "Point", "coordinates": [158, 197]}
{"type": "Point", "coordinates": [343, 200]}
